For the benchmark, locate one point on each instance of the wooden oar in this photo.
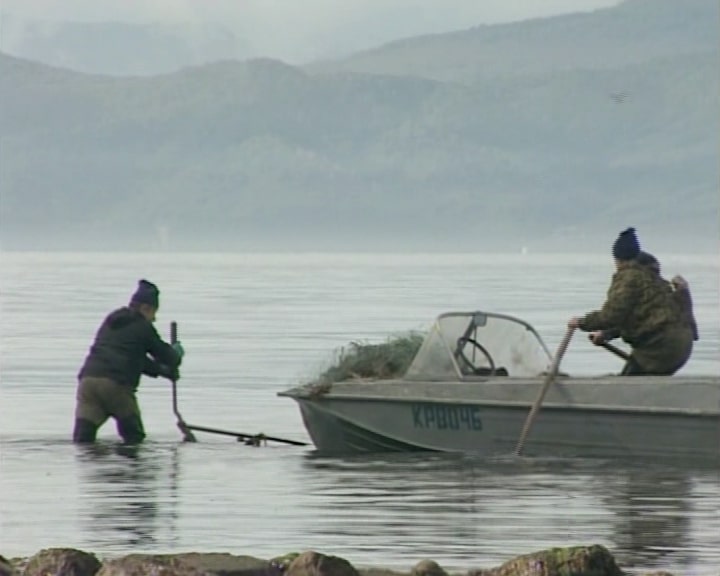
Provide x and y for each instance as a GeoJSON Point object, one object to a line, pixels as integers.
{"type": "Point", "coordinates": [188, 436]}
{"type": "Point", "coordinates": [552, 374]}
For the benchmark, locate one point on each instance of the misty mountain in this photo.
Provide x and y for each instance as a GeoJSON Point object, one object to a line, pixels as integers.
{"type": "Point", "coordinates": [138, 37]}
{"type": "Point", "coordinates": [119, 48]}
{"type": "Point", "coordinates": [632, 32]}
{"type": "Point", "coordinates": [260, 154]}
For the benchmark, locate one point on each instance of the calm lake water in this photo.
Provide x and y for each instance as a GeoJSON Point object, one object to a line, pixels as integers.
{"type": "Point", "coordinates": [253, 325]}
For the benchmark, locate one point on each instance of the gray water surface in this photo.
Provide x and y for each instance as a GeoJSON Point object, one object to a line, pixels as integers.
{"type": "Point", "coordinates": [253, 325]}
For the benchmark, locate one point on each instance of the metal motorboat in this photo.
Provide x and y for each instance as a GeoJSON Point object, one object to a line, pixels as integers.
{"type": "Point", "coordinates": [472, 384]}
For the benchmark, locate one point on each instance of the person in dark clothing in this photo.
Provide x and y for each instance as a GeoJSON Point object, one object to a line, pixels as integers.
{"type": "Point", "coordinates": [126, 346]}
{"type": "Point", "coordinates": [641, 305]}
{"type": "Point", "coordinates": [681, 293]}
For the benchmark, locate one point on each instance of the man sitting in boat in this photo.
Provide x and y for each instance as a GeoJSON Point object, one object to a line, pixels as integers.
{"type": "Point", "coordinates": [681, 293]}
{"type": "Point", "coordinates": [640, 304]}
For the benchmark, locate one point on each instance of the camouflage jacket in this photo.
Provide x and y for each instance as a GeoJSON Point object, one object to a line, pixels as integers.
{"type": "Point", "coordinates": [639, 304]}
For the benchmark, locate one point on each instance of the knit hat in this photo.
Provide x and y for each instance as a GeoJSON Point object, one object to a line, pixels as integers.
{"type": "Point", "coordinates": [647, 259]}
{"type": "Point", "coordinates": [626, 246]}
{"type": "Point", "coordinates": [146, 293]}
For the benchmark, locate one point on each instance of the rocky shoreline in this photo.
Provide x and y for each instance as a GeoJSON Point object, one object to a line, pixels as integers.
{"type": "Point", "coordinates": [592, 560]}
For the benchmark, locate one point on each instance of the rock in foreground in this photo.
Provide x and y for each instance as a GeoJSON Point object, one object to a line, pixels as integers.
{"type": "Point", "coordinates": [585, 560]}
{"type": "Point", "coordinates": [65, 561]}
{"type": "Point", "coordinates": [575, 561]}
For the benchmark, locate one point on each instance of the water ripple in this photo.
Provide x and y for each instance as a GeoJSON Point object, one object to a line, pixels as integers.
{"type": "Point", "coordinates": [256, 324]}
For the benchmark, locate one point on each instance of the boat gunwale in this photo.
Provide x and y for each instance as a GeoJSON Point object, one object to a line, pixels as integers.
{"type": "Point", "coordinates": [508, 404]}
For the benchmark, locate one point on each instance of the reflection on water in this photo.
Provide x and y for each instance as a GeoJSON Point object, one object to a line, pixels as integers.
{"type": "Point", "coordinates": [653, 516]}
{"type": "Point", "coordinates": [253, 325]}
{"type": "Point", "coordinates": [120, 494]}
{"type": "Point", "coordinates": [461, 510]}
{"type": "Point", "coordinates": [484, 508]}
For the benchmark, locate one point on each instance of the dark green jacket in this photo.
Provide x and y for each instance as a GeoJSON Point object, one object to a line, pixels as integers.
{"type": "Point", "coordinates": [639, 304]}
{"type": "Point", "coordinates": [121, 348]}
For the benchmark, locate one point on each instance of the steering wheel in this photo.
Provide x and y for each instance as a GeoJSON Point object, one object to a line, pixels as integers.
{"type": "Point", "coordinates": [477, 370]}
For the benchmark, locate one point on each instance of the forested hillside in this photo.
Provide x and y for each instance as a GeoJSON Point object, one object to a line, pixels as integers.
{"type": "Point", "coordinates": [262, 155]}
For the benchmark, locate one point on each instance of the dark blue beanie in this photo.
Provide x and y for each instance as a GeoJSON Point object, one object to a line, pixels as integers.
{"type": "Point", "coordinates": [146, 293]}
{"type": "Point", "coordinates": [626, 247]}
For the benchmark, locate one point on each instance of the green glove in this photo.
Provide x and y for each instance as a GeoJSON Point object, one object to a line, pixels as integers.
{"type": "Point", "coordinates": [179, 350]}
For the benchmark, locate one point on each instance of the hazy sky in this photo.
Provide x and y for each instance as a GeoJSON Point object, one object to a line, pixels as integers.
{"type": "Point", "coordinates": [298, 29]}
{"type": "Point", "coordinates": [298, 11]}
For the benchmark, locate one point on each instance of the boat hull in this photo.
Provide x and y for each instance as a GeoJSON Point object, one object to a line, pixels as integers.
{"type": "Point", "coordinates": [615, 417]}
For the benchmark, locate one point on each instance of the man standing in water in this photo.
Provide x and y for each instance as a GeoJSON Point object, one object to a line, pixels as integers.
{"type": "Point", "coordinates": [126, 346]}
{"type": "Point", "coordinates": [642, 307]}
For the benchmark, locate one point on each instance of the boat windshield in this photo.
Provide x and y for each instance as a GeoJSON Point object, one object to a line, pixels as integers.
{"type": "Point", "coordinates": [467, 345]}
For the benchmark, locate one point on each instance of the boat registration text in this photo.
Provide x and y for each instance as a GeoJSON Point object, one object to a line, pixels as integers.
{"type": "Point", "coordinates": [446, 417]}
